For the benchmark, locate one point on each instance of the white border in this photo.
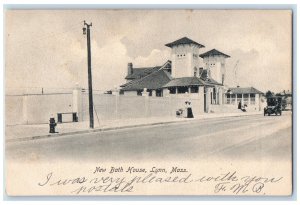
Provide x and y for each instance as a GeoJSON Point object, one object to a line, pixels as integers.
{"type": "Point", "coordinates": [152, 4]}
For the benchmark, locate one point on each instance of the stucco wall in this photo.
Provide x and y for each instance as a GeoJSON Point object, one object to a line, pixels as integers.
{"type": "Point", "coordinates": [216, 65]}
{"type": "Point", "coordinates": [31, 109]}
{"type": "Point", "coordinates": [184, 64]}
{"type": "Point", "coordinates": [130, 93]}
{"type": "Point", "coordinates": [109, 107]}
{"type": "Point", "coordinates": [13, 110]}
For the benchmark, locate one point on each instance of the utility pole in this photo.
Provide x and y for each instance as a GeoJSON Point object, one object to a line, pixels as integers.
{"type": "Point", "coordinates": [86, 30]}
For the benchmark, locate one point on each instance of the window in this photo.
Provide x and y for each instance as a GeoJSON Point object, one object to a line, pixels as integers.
{"type": "Point", "coordinates": [200, 71]}
{"type": "Point", "coordinates": [252, 99]}
{"type": "Point", "coordinates": [214, 97]}
{"type": "Point", "coordinates": [232, 96]}
{"type": "Point", "coordinates": [246, 99]}
{"type": "Point", "coordinates": [172, 90]}
{"type": "Point", "coordinates": [239, 98]}
{"type": "Point", "coordinates": [227, 98]}
{"type": "Point", "coordinates": [159, 93]}
{"type": "Point", "coordinates": [182, 89]}
{"type": "Point", "coordinates": [195, 72]}
{"type": "Point", "coordinates": [194, 89]}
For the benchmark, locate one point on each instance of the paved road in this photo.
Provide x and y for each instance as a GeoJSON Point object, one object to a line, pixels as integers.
{"type": "Point", "coordinates": [246, 137]}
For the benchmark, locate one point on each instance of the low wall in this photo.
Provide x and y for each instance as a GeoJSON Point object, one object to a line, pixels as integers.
{"type": "Point", "coordinates": [14, 110]}
{"type": "Point", "coordinates": [108, 107]}
{"type": "Point", "coordinates": [41, 107]}
{"type": "Point", "coordinates": [38, 108]}
{"type": "Point", "coordinates": [32, 109]}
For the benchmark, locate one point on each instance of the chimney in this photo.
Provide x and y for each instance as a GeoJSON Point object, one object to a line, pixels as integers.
{"type": "Point", "coordinates": [130, 69]}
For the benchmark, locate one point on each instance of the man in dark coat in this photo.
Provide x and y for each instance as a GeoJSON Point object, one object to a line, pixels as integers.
{"type": "Point", "coordinates": [189, 111]}
{"type": "Point", "coordinates": [240, 105]}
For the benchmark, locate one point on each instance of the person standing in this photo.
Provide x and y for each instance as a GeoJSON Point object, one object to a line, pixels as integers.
{"type": "Point", "coordinates": [189, 110]}
{"type": "Point", "coordinates": [185, 111]}
{"type": "Point", "coordinates": [240, 105]}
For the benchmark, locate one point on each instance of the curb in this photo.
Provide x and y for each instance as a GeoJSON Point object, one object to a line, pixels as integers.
{"type": "Point", "coordinates": [116, 128]}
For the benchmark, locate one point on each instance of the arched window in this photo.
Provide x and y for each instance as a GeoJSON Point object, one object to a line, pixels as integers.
{"type": "Point", "coordinates": [195, 72]}
{"type": "Point", "coordinates": [200, 71]}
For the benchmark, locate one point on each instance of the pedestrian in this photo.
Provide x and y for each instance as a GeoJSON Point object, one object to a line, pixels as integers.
{"type": "Point", "coordinates": [189, 110]}
{"type": "Point", "coordinates": [240, 105]}
{"type": "Point", "coordinates": [185, 113]}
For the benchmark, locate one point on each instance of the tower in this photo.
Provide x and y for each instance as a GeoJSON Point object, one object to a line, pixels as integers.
{"type": "Point", "coordinates": [214, 63]}
{"type": "Point", "coordinates": [185, 57]}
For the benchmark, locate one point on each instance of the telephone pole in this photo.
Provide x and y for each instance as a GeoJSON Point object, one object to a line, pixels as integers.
{"type": "Point", "coordinates": [86, 30]}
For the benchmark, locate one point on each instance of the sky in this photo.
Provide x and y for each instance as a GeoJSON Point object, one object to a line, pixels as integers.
{"type": "Point", "coordinates": [47, 49]}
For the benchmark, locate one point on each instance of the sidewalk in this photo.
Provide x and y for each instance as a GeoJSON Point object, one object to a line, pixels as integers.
{"type": "Point", "coordinates": [39, 131]}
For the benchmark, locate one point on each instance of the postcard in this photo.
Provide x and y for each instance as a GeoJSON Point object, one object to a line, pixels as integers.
{"type": "Point", "coordinates": [148, 102]}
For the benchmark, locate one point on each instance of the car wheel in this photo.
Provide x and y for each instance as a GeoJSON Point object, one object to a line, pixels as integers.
{"type": "Point", "coordinates": [268, 114]}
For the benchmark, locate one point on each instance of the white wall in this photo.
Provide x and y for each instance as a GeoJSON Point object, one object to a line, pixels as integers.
{"type": "Point", "coordinates": [216, 65]}
{"type": "Point", "coordinates": [39, 108]}
{"type": "Point", "coordinates": [130, 93]}
{"type": "Point", "coordinates": [183, 66]}
{"type": "Point", "coordinates": [32, 109]}
{"type": "Point", "coordinates": [109, 107]}
{"type": "Point", "coordinates": [14, 110]}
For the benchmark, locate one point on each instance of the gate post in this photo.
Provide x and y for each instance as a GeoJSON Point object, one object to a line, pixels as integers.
{"type": "Point", "coordinates": [77, 102]}
{"type": "Point", "coordinates": [116, 93]}
{"type": "Point", "coordinates": [145, 94]}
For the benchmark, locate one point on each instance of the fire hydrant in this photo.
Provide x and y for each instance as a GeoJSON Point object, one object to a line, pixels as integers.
{"type": "Point", "coordinates": [52, 125]}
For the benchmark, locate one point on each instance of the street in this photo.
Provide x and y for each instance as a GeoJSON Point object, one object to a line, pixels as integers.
{"type": "Point", "coordinates": [246, 137]}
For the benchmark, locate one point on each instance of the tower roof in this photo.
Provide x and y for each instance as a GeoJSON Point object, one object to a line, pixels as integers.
{"type": "Point", "coordinates": [240, 90]}
{"type": "Point", "coordinates": [213, 52]}
{"type": "Point", "coordinates": [183, 40]}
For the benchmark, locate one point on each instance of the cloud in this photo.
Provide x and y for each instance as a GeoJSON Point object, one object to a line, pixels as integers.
{"type": "Point", "coordinates": [54, 55]}
{"type": "Point", "coordinates": [109, 63]}
{"type": "Point", "coordinates": [254, 70]}
{"type": "Point", "coordinates": [156, 57]}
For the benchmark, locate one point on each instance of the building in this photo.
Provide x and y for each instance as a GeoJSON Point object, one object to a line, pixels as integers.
{"type": "Point", "coordinates": [152, 78]}
{"type": "Point", "coordinates": [250, 97]}
{"type": "Point", "coordinates": [189, 72]}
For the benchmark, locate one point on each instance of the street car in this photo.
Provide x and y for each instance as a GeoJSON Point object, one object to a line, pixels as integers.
{"type": "Point", "coordinates": [274, 106]}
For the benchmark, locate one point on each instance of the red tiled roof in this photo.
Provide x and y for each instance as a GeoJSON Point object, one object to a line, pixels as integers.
{"type": "Point", "coordinates": [240, 90]}
{"type": "Point", "coordinates": [183, 40]}
{"type": "Point", "coordinates": [152, 81]}
{"type": "Point", "coordinates": [141, 72]}
{"type": "Point", "coordinates": [191, 81]}
{"type": "Point", "coordinates": [213, 52]}
{"type": "Point", "coordinates": [185, 81]}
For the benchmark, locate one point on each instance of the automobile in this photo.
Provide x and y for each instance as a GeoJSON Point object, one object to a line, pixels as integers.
{"type": "Point", "coordinates": [274, 106]}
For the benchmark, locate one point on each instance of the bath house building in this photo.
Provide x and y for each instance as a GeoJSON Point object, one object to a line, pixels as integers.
{"type": "Point", "coordinates": [189, 72]}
